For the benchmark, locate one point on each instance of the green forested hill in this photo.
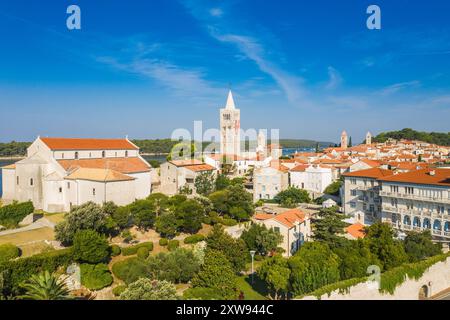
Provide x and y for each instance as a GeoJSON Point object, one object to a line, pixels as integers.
{"type": "Point", "coordinates": [439, 138]}
{"type": "Point", "coordinates": [155, 146]}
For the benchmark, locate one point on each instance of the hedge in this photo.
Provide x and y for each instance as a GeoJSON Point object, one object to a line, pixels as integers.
{"type": "Point", "coordinates": [173, 244]}
{"type": "Point", "coordinates": [95, 276]}
{"type": "Point", "coordinates": [115, 250]}
{"type": "Point", "coordinates": [163, 242]}
{"type": "Point", "coordinates": [117, 291]}
{"type": "Point", "coordinates": [228, 222]}
{"type": "Point", "coordinates": [194, 239]}
{"type": "Point", "coordinates": [142, 253]}
{"type": "Point", "coordinates": [130, 270]}
{"type": "Point", "coordinates": [14, 272]}
{"type": "Point", "coordinates": [132, 250]}
{"type": "Point", "coordinates": [12, 214]}
{"type": "Point", "coordinates": [8, 252]}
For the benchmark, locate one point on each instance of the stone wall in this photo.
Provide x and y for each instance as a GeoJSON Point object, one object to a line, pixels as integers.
{"type": "Point", "coordinates": [433, 281]}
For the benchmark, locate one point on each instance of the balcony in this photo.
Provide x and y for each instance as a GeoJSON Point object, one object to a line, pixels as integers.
{"type": "Point", "coordinates": [414, 197]}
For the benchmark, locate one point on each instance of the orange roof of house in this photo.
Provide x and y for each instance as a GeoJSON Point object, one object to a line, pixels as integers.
{"type": "Point", "coordinates": [373, 173]}
{"type": "Point", "coordinates": [99, 175]}
{"type": "Point", "coordinates": [219, 157]}
{"type": "Point", "coordinates": [300, 168]}
{"type": "Point", "coordinates": [184, 163]}
{"type": "Point", "coordinates": [356, 230]}
{"type": "Point", "coordinates": [277, 165]}
{"type": "Point", "coordinates": [123, 165]}
{"type": "Point", "coordinates": [88, 144]}
{"type": "Point", "coordinates": [441, 177]}
{"type": "Point", "coordinates": [371, 163]}
{"type": "Point", "coordinates": [11, 166]}
{"type": "Point", "coordinates": [287, 218]}
{"type": "Point", "coordinates": [200, 167]}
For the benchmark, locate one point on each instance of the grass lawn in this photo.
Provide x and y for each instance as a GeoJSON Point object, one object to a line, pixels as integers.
{"type": "Point", "coordinates": [252, 293]}
{"type": "Point", "coordinates": [55, 217]}
{"type": "Point", "coordinates": [27, 237]}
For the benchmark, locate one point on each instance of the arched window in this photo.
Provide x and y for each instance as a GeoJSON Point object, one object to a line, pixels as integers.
{"type": "Point", "coordinates": [76, 154]}
{"type": "Point", "coordinates": [103, 154]}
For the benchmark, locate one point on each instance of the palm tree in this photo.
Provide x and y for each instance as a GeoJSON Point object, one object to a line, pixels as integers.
{"type": "Point", "coordinates": [45, 286]}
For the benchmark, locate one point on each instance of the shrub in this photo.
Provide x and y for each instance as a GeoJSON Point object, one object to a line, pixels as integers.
{"type": "Point", "coordinates": [201, 293]}
{"type": "Point", "coordinates": [15, 272]}
{"type": "Point", "coordinates": [91, 247]}
{"type": "Point", "coordinates": [132, 250]}
{"type": "Point", "coordinates": [173, 244]}
{"type": "Point", "coordinates": [117, 291]}
{"type": "Point", "coordinates": [194, 239]}
{"type": "Point", "coordinates": [142, 253]}
{"type": "Point", "coordinates": [130, 270]}
{"type": "Point", "coordinates": [95, 277]}
{"type": "Point", "coordinates": [146, 289]}
{"type": "Point", "coordinates": [12, 214]}
{"type": "Point", "coordinates": [163, 242]}
{"type": "Point", "coordinates": [115, 250]}
{"type": "Point", "coordinates": [8, 252]}
{"type": "Point", "coordinates": [228, 222]}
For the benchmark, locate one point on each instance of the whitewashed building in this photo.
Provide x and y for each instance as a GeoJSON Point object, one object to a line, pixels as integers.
{"type": "Point", "coordinates": [59, 173]}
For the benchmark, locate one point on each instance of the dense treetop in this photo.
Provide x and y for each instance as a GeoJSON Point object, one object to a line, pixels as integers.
{"type": "Point", "coordinates": [438, 138]}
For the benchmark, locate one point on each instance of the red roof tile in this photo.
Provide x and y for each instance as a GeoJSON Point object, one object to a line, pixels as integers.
{"type": "Point", "coordinates": [88, 144]}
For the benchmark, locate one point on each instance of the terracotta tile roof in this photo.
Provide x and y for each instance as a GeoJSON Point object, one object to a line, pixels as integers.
{"type": "Point", "coordinates": [123, 165]}
{"type": "Point", "coordinates": [373, 173]}
{"type": "Point", "coordinates": [184, 163]}
{"type": "Point", "coordinates": [10, 167]}
{"type": "Point", "coordinates": [200, 167]}
{"type": "Point", "coordinates": [98, 175]}
{"type": "Point", "coordinates": [88, 144]}
{"type": "Point", "coordinates": [288, 218]}
{"type": "Point", "coordinates": [263, 216]}
{"type": "Point", "coordinates": [441, 177]}
{"type": "Point", "coordinates": [356, 231]}
{"type": "Point", "coordinates": [279, 166]}
{"type": "Point", "coordinates": [300, 168]}
{"type": "Point", "coordinates": [371, 163]}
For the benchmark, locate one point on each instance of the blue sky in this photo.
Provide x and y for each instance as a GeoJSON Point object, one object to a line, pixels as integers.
{"type": "Point", "coordinates": [145, 68]}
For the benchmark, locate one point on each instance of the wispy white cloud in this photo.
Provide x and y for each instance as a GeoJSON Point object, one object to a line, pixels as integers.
{"type": "Point", "coordinates": [216, 12]}
{"type": "Point", "coordinates": [399, 87]}
{"type": "Point", "coordinates": [335, 79]}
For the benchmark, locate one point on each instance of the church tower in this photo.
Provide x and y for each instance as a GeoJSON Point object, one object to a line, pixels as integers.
{"type": "Point", "coordinates": [368, 138]}
{"type": "Point", "coordinates": [261, 143]}
{"type": "Point", "coordinates": [344, 140]}
{"type": "Point", "coordinates": [230, 124]}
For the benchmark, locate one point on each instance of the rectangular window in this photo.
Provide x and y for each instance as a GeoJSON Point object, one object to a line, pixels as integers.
{"type": "Point", "coordinates": [353, 192]}
{"type": "Point", "coordinates": [277, 229]}
{"type": "Point", "coordinates": [352, 204]}
{"type": "Point", "coordinates": [60, 190]}
{"type": "Point", "coordinates": [17, 180]}
{"type": "Point", "coordinates": [93, 191]}
{"type": "Point", "coordinates": [68, 185]}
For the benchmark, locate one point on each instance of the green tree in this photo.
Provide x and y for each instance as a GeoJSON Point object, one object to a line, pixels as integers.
{"type": "Point", "coordinates": [275, 273]}
{"type": "Point", "coordinates": [109, 208]}
{"type": "Point", "coordinates": [146, 289]}
{"type": "Point", "coordinates": [355, 258]}
{"type": "Point", "coordinates": [90, 246]}
{"type": "Point", "coordinates": [334, 188]}
{"type": "Point", "coordinates": [219, 201]}
{"type": "Point", "coordinates": [122, 216]}
{"type": "Point", "coordinates": [292, 196]}
{"type": "Point", "coordinates": [45, 286]}
{"type": "Point", "coordinates": [261, 239]}
{"type": "Point", "coordinates": [222, 182]}
{"type": "Point", "coordinates": [160, 202]}
{"type": "Point", "coordinates": [217, 273]}
{"type": "Point", "coordinates": [328, 226]}
{"type": "Point", "coordinates": [205, 183]}
{"type": "Point", "coordinates": [313, 267]}
{"type": "Point", "coordinates": [389, 251]}
{"type": "Point", "coordinates": [233, 249]}
{"type": "Point", "coordinates": [88, 216]}
{"type": "Point", "coordinates": [167, 225]}
{"type": "Point", "coordinates": [143, 213]}
{"type": "Point", "coordinates": [190, 215]}
{"type": "Point", "coordinates": [419, 246]}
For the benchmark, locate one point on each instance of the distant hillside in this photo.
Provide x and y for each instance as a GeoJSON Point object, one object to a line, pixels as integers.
{"type": "Point", "coordinates": [439, 138]}
{"type": "Point", "coordinates": [159, 146]}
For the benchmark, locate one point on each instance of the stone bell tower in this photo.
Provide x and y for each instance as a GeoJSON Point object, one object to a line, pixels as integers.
{"type": "Point", "coordinates": [230, 124]}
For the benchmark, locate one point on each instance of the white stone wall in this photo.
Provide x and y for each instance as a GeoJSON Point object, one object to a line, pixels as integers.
{"type": "Point", "coordinates": [8, 181]}
{"type": "Point", "coordinates": [436, 278]}
{"type": "Point", "coordinates": [142, 184]}
{"type": "Point", "coordinates": [169, 178]}
{"type": "Point", "coordinates": [268, 182]}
